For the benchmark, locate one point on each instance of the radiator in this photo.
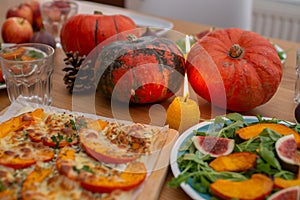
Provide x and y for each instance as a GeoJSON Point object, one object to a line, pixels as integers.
{"type": "Point", "coordinates": [277, 19]}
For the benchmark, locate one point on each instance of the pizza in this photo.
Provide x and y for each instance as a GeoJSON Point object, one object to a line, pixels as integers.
{"type": "Point", "coordinates": [67, 156]}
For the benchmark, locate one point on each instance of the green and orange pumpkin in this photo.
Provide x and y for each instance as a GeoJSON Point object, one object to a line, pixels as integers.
{"type": "Point", "coordinates": [141, 70]}
{"type": "Point", "coordinates": [83, 32]}
{"type": "Point", "coordinates": [234, 69]}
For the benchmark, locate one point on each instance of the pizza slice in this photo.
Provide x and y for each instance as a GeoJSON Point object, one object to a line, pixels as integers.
{"type": "Point", "coordinates": [56, 129]}
{"type": "Point", "coordinates": [46, 183]}
{"type": "Point", "coordinates": [121, 143]}
{"type": "Point", "coordinates": [96, 177]}
{"type": "Point", "coordinates": [8, 183]}
{"type": "Point", "coordinates": [60, 129]}
{"type": "Point", "coordinates": [18, 152]}
{"type": "Point", "coordinates": [19, 122]}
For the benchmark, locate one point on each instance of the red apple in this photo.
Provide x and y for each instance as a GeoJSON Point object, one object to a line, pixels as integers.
{"type": "Point", "coordinates": [37, 16]}
{"type": "Point", "coordinates": [1, 76]}
{"type": "Point", "coordinates": [16, 30]}
{"type": "Point", "coordinates": [22, 10]}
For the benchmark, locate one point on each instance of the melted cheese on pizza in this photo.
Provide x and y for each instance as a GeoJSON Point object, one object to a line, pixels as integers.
{"type": "Point", "coordinates": [17, 151]}
{"type": "Point", "coordinates": [56, 130]}
{"type": "Point", "coordinates": [137, 138]}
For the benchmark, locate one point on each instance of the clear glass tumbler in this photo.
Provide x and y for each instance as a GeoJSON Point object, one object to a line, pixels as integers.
{"type": "Point", "coordinates": [27, 69]}
{"type": "Point", "coordinates": [54, 15]}
{"type": "Point", "coordinates": [297, 84]}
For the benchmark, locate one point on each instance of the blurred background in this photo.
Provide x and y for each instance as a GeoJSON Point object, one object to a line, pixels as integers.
{"type": "Point", "coordinates": [271, 18]}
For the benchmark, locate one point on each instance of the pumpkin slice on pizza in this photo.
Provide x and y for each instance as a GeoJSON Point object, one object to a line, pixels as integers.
{"type": "Point", "coordinates": [120, 143]}
{"type": "Point", "coordinates": [46, 183]}
{"type": "Point", "coordinates": [18, 151]}
{"type": "Point", "coordinates": [56, 130]}
{"type": "Point", "coordinates": [96, 177]}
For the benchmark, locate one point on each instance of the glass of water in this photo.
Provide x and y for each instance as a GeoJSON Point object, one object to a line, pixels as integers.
{"type": "Point", "coordinates": [27, 69]}
{"type": "Point", "coordinates": [297, 84]}
{"type": "Point", "coordinates": [54, 15]}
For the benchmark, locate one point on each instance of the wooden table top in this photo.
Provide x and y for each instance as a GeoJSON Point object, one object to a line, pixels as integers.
{"type": "Point", "coordinates": [281, 105]}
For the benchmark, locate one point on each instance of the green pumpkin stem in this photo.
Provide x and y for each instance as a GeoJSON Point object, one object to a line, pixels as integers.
{"type": "Point", "coordinates": [97, 12]}
{"type": "Point", "coordinates": [236, 51]}
{"type": "Point", "coordinates": [131, 37]}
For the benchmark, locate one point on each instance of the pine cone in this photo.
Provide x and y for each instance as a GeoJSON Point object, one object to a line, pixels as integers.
{"type": "Point", "coordinates": [82, 81]}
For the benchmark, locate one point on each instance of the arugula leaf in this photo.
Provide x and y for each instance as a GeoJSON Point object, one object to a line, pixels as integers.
{"type": "Point", "coordinates": [182, 178]}
{"type": "Point", "coordinates": [229, 131]}
{"type": "Point", "coordinates": [250, 145]}
{"type": "Point", "coordinates": [273, 135]}
{"type": "Point", "coordinates": [285, 175]}
{"type": "Point", "coordinates": [235, 117]}
{"type": "Point", "coordinates": [186, 145]}
{"type": "Point", "coordinates": [296, 127]}
{"type": "Point", "coordinates": [269, 156]}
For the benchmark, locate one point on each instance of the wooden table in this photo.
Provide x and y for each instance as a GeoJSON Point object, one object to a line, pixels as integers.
{"type": "Point", "coordinates": [280, 106]}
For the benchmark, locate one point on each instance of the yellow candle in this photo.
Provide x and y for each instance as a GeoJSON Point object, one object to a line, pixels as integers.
{"type": "Point", "coordinates": [183, 112]}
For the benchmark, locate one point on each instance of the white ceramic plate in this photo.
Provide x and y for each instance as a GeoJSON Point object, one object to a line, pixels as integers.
{"type": "Point", "coordinates": [160, 25]}
{"type": "Point", "coordinates": [202, 127]}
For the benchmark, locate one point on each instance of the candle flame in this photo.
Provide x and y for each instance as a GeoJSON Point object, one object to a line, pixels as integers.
{"type": "Point", "coordinates": [187, 44]}
{"type": "Point", "coordinates": [186, 83]}
{"type": "Point", "coordinates": [185, 87]}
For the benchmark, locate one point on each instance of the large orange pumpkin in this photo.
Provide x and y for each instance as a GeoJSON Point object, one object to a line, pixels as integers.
{"type": "Point", "coordinates": [83, 32]}
{"type": "Point", "coordinates": [234, 69]}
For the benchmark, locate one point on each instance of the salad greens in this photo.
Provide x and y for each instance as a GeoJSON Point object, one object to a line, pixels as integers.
{"type": "Point", "coordinates": [194, 166]}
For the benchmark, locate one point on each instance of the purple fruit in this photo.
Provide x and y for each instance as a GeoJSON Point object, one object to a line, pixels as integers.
{"type": "Point", "coordinates": [290, 193]}
{"type": "Point", "coordinates": [297, 113]}
{"type": "Point", "coordinates": [43, 37]}
{"type": "Point", "coordinates": [214, 146]}
{"type": "Point", "coordinates": [286, 148]}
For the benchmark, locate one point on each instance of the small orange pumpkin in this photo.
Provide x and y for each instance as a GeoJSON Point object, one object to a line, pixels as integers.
{"type": "Point", "coordinates": [83, 32]}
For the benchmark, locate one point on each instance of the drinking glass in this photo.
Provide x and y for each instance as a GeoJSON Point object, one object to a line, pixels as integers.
{"type": "Point", "coordinates": [27, 70]}
{"type": "Point", "coordinates": [297, 84]}
{"type": "Point", "coordinates": [54, 15]}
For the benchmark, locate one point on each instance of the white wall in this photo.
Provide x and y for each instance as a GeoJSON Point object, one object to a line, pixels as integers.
{"type": "Point", "coordinates": [220, 13]}
{"type": "Point", "coordinates": [5, 5]}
